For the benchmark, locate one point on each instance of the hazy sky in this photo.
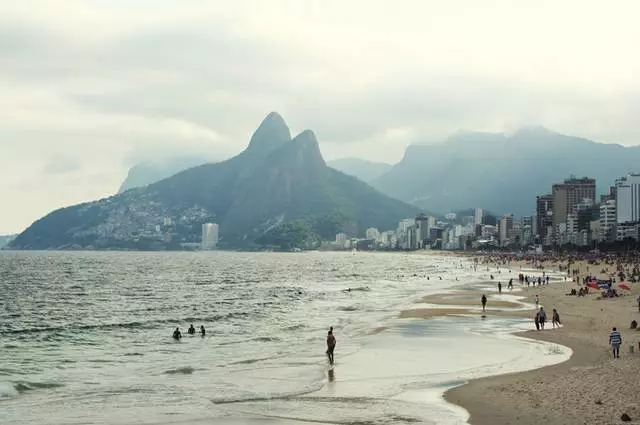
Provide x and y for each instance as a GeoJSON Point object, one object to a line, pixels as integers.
{"type": "Point", "coordinates": [88, 88]}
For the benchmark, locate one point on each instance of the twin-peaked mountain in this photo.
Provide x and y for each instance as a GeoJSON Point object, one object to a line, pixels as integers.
{"type": "Point", "coordinates": [275, 180]}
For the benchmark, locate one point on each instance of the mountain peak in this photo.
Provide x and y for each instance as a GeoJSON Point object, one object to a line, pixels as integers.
{"type": "Point", "coordinates": [307, 146]}
{"type": "Point", "coordinates": [272, 134]}
{"type": "Point", "coordinates": [307, 137]}
{"type": "Point", "coordinates": [533, 130]}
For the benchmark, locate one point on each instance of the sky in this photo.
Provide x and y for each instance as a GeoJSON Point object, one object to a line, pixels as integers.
{"type": "Point", "coordinates": [89, 88]}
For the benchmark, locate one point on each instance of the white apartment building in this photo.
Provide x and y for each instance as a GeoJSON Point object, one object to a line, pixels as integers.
{"type": "Point", "coordinates": [628, 206]}
{"type": "Point", "coordinates": [209, 236]}
{"type": "Point", "coordinates": [342, 240]}
{"type": "Point", "coordinates": [505, 226]}
{"type": "Point", "coordinates": [607, 220]}
{"type": "Point", "coordinates": [628, 199]}
{"type": "Point", "coordinates": [479, 215]}
{"type": "Point", "coordinates": [372, 233]}
{"type": "Point", "coordinates": [404, 224]}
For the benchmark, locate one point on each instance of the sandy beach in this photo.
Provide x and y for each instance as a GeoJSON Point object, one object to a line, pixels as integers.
{"type": "Point", "coordinates": [590, 388]}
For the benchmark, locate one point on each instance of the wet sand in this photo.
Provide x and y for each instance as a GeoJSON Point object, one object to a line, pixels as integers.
{"type": "Point", "coordinates": [469, 298]}
{"type": "Point", "coordinates": [590, 388]}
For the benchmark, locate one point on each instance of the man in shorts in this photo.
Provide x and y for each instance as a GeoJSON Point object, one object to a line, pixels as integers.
{"type": "Point", "coordinates": [615, 339]}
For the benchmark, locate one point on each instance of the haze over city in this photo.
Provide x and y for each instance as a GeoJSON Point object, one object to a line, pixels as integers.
{"type": "Point", "coordinates": [89, 88]}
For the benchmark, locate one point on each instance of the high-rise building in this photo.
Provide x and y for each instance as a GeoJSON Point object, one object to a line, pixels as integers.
{"type": "Point", "coordinates": [478, 216]}
{"type": "Point", "coordinates": [423, 224]}
{"type": "Point", "coordinates": [468, 220]}
{"type": "Point", "coordinates": [607, 220]}
{"type": "Point", "coordinates": [567, 195]}
{"type": "Point", "coordinates": [505, 226]}
{"type": "Point", "coordinates": [341, 240]}
{"type": "Point", "coordinates": [435, 233]}
{"type": "Point", "coordinates": [209, 236]}
{"type": "Point", "coordinates": [526, 231]}
{"type": "Point", "coordinates": [628, 206]}
{"type": "Point", "coordinates": [489, 220]}
{"type": "Point", "coordinates": [608, 196]}
{"type": "Point", "coordinates": [372, 233]}
{"type": "Point", "coordinates": [412, 237]}
{"type": "Point", "coordinates": [544, 218]}
{"type": "Point", "coordinates": [404, 224]}
{"type": "Point", "coordinates": [628, 199]}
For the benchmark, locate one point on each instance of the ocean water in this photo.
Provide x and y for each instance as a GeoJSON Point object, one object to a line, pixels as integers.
{"type": "Point", "coordinates": [86, 338]}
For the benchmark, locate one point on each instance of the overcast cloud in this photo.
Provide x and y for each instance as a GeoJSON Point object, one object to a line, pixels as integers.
{"type": "Point", "coordinates": [87, 88]}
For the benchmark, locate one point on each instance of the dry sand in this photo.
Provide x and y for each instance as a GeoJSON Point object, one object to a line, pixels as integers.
{"type": "Point", "coordinates": [591, 388]}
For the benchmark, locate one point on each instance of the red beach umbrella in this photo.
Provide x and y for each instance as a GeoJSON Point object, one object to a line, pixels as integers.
{"type": "Point", "coordinates": [624, 285]}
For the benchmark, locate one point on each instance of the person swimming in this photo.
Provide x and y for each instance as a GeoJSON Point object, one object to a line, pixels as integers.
{"type": "Point", "coordinates": [202, 331]}
{"type": "Point", "coordinates": [192, 330]}
{"type": "Point", "coordinates": [177, 335]}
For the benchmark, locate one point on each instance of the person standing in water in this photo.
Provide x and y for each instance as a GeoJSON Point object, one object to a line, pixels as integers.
{"type": "Point", "coordinates": [202, 331]}
{"type": "Point", "coordinates": [543, 318]}
{"type": "Point", "coordinates": [177, 335]}
{"type": "Point", "coordinates": [192, 330]}
{"type": "Point", "coordinates": [331, 345]}
{"type": "Point", "coordinates": [483, 300]}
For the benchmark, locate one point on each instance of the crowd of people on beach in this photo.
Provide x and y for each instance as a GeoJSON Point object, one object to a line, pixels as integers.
{"type": "Point", "coordinates": [604, 271]}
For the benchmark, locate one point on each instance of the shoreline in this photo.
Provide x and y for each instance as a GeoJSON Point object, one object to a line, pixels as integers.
{"type": "Point", "coordinates": [486, 410]}
{"type": "Point", "coordinates": [588, 388]}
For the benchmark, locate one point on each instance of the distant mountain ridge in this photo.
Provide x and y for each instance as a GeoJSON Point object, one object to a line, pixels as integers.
{"type": "Point", "coordinates": [274, 181]}
{"type": "Point", "coordinates": [360, 168]}
{"type": "Point", "coordinates": [146, 173]}
{"type": "Point", "coordinates": [501, 172]}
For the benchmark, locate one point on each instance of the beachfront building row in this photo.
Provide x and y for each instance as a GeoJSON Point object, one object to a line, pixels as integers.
{"type": "Point", "coordinates": [425, 232]}
{"type": "Point", "coordinates": [571, 214]}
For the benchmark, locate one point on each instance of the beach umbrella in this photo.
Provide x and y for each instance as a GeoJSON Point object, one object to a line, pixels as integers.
{"type": "Point", "coordinates": [624, 285]}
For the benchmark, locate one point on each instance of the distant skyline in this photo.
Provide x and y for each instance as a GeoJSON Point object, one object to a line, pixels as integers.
{"type": "Point", "coordinates": [89, 88]}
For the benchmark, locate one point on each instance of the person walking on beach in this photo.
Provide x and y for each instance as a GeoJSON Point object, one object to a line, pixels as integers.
{"type": "Point", "coordinates": [543, 318]}
{"type": "Point", "coordinates": [331, 345]}
{"type": "Point", "coordinates": [499, 287]}
{"type": "Point", "coordinates": [537, 301]}
{"type": "Point", "coordinates": [483, 300]}
{"type": "Point", "coordinates": [615, 339]}
{"type": "Point", "coordinates": [536, 320]}
{"type": "Point", "coordinates": [638, 303]}
{"type": "Point", "coordinates": [555, 318]}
